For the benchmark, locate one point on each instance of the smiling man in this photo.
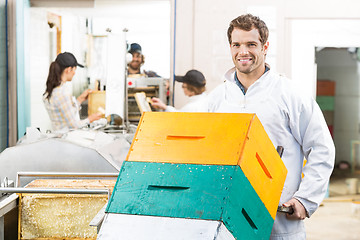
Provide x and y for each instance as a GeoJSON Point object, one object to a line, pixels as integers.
{"type": "Point", "coordinates": [290, 119]}
{"type": "Point", "coordinates": [138, 59]}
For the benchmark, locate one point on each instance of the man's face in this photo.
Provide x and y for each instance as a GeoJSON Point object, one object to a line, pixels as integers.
{"type": "Point", "coordinates": [136, 61]}
{"type": "Point", "coordinates": [247, 52]}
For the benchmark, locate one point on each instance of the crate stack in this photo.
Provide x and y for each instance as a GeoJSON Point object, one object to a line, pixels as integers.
{"type": "Point", "coordinates": [196, 176]}
{"type": "Point", "coordinates": [325, 97]}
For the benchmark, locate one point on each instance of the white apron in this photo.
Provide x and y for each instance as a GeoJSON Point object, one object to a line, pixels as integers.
{"type": "Point", "coordinates": [296, 130]}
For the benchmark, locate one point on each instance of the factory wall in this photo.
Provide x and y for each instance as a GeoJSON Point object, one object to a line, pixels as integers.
{"type": "Point", "coordinates": [201, 40]}
{"type": "Point", "coordinates": [42, 54]}
{"type": "Point", "coordinates": [342, 67]}
{"type": "Point", "coordinates": [206, 47]}
{"type": "Point", "coordinates": [39, 66]}
{"type": "Point", "coordinates": [22, 66]}
{"type": "Point", "coordinates": [296, 30]}
{"type": "Point", "coordinates": [153, 36]}
{"type": "Point", "coordinates": [201, 43]}
{"type": "Point", "coordinates": [3, 85]}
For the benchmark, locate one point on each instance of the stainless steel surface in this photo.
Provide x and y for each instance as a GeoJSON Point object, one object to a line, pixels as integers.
{"type": "Point", "coordinates": [6, 183]}
{"type": "Point", "coordinates": [99, 218]}
{"type": "Point", "coordinates": [151, 81]}
{"type": "Point", "coordinates": [75, 154]}
{"type": "Point", "coordinates": [152, 86]}
{"type": "Point", "coordinates": [126, 122]}
{"type": "Point", "coordinates": [59, 155]}
{"type": "Point", "coordinates": [63, 175]}
{"type": "Point", "coordinates": [7, 203]}
{"type": "Point", "coordinates": [2, 230]}
{"type": "Point", "coordinates": [283, 209]}
{"type": "Point", "coordinates": [280, 150]}
{"type": "Point", "coordinates": [54, 190]}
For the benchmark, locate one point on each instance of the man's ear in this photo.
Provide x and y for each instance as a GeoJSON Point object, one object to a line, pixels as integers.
{"type": "Point", "coordinates": [266, 47]}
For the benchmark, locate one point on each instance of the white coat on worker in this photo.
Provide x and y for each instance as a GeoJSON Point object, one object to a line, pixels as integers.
{"type": "Point", "coordinates": [294, 122]}
{"type": "Point", "coordinates": [197, 103]}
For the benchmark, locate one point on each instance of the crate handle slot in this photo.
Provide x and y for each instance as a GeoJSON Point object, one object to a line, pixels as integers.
{"type": "Point", "coordinates": [167, 188]}
{"type": "Point", "coordinates": [248, 219]}
{"type": "Point", "coordinates": [179, 137]}
{"type": "Point", "coordinates": [264, 168]}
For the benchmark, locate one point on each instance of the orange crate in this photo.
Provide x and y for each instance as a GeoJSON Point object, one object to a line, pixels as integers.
{"type": "Point", "coordinates": [325, 88]}
{"type": "Point", "coordinates": [213, 139]}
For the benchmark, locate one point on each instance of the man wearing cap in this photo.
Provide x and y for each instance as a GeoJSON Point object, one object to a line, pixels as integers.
{"type": "Point", "coordinates": [134, 67]}
{"type": "Point", "coordinates": [62, 107]}
{"type": "Point", "coordinates": [193, 84]}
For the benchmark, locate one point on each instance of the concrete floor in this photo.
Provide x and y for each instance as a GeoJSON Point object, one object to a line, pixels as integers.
{"type": "Point", "coordinates": [338, 218]}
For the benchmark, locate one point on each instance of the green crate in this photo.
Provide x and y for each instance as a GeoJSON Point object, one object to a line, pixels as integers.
{"type": "Point", "coordinates": [210, 192]}
{"type": "Point", "coordinates": [326, 103]}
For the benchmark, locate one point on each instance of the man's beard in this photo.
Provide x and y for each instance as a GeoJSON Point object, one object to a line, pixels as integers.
{"type": "Point", "coordinates": [135, 66]}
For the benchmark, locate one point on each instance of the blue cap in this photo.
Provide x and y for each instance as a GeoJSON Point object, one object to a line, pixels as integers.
{"type": "Point", "coordinates": [134, 47]}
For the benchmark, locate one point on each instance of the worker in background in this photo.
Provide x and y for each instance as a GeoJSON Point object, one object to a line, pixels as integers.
{"type": "Point", "coordinates": [134, 67]}
{"type": "Point", "coordinates": [193, 85]}
{"type": "Point", "coordinates": [138, 59]}
{"type": "Point", "coordinates": [62, 107]}
{"type": "Point", "coordinates": [290, 119]}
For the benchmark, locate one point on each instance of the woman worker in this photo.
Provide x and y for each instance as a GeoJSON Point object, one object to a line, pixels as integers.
{"type": "Point", "coordinates": [194, 87]}
{"type": "Point", "coordinates": [62, 107]}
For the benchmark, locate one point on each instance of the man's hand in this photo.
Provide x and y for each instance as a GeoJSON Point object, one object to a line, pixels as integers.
{"type": "Point", "coordinates": [157, 103]}
{"type": "Point", "coordinates": [299, 210]}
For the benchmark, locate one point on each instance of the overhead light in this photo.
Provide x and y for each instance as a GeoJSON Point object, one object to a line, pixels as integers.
{"type": "Point", "coordinates": [63, 3]}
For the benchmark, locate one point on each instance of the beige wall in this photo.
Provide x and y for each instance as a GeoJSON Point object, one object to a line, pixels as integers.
{"type": "Point", "coordinates": [201, 41]}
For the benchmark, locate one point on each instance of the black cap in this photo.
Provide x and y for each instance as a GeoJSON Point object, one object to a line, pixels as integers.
{"type": "Point", "coordinates": [134, 47]}
{"type": "Point", "coordinates": [67, 59]}
{"type": "Point", "coordinates": [192, 77]}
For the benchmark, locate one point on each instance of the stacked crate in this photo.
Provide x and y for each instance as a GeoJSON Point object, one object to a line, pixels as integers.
{"type": "Point", "coordinates": [218, 167]}
{"type": "Point", "coordinates": [325, 97]}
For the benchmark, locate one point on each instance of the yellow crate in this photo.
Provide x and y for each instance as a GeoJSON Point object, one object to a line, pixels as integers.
{"type": "Point", "coordinates": [213, 139]}
{"type": "Point", "coordinates": [263, 167]}
{"type": "Point", "coordinates": [195, 138]}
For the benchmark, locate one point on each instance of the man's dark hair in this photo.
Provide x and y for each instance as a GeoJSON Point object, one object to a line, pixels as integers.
{"type": "Point", "coordinates": [247, 22]}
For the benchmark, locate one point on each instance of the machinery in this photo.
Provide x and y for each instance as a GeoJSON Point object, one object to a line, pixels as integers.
{"type": "Point", "coordinates": [152, 87]}
{"type": "Point", "coordinates": [80, 154]}
{"type": "Point", "coordinates": [87, 161]}
{"type": "Point", "coordinates": [118, 98]}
